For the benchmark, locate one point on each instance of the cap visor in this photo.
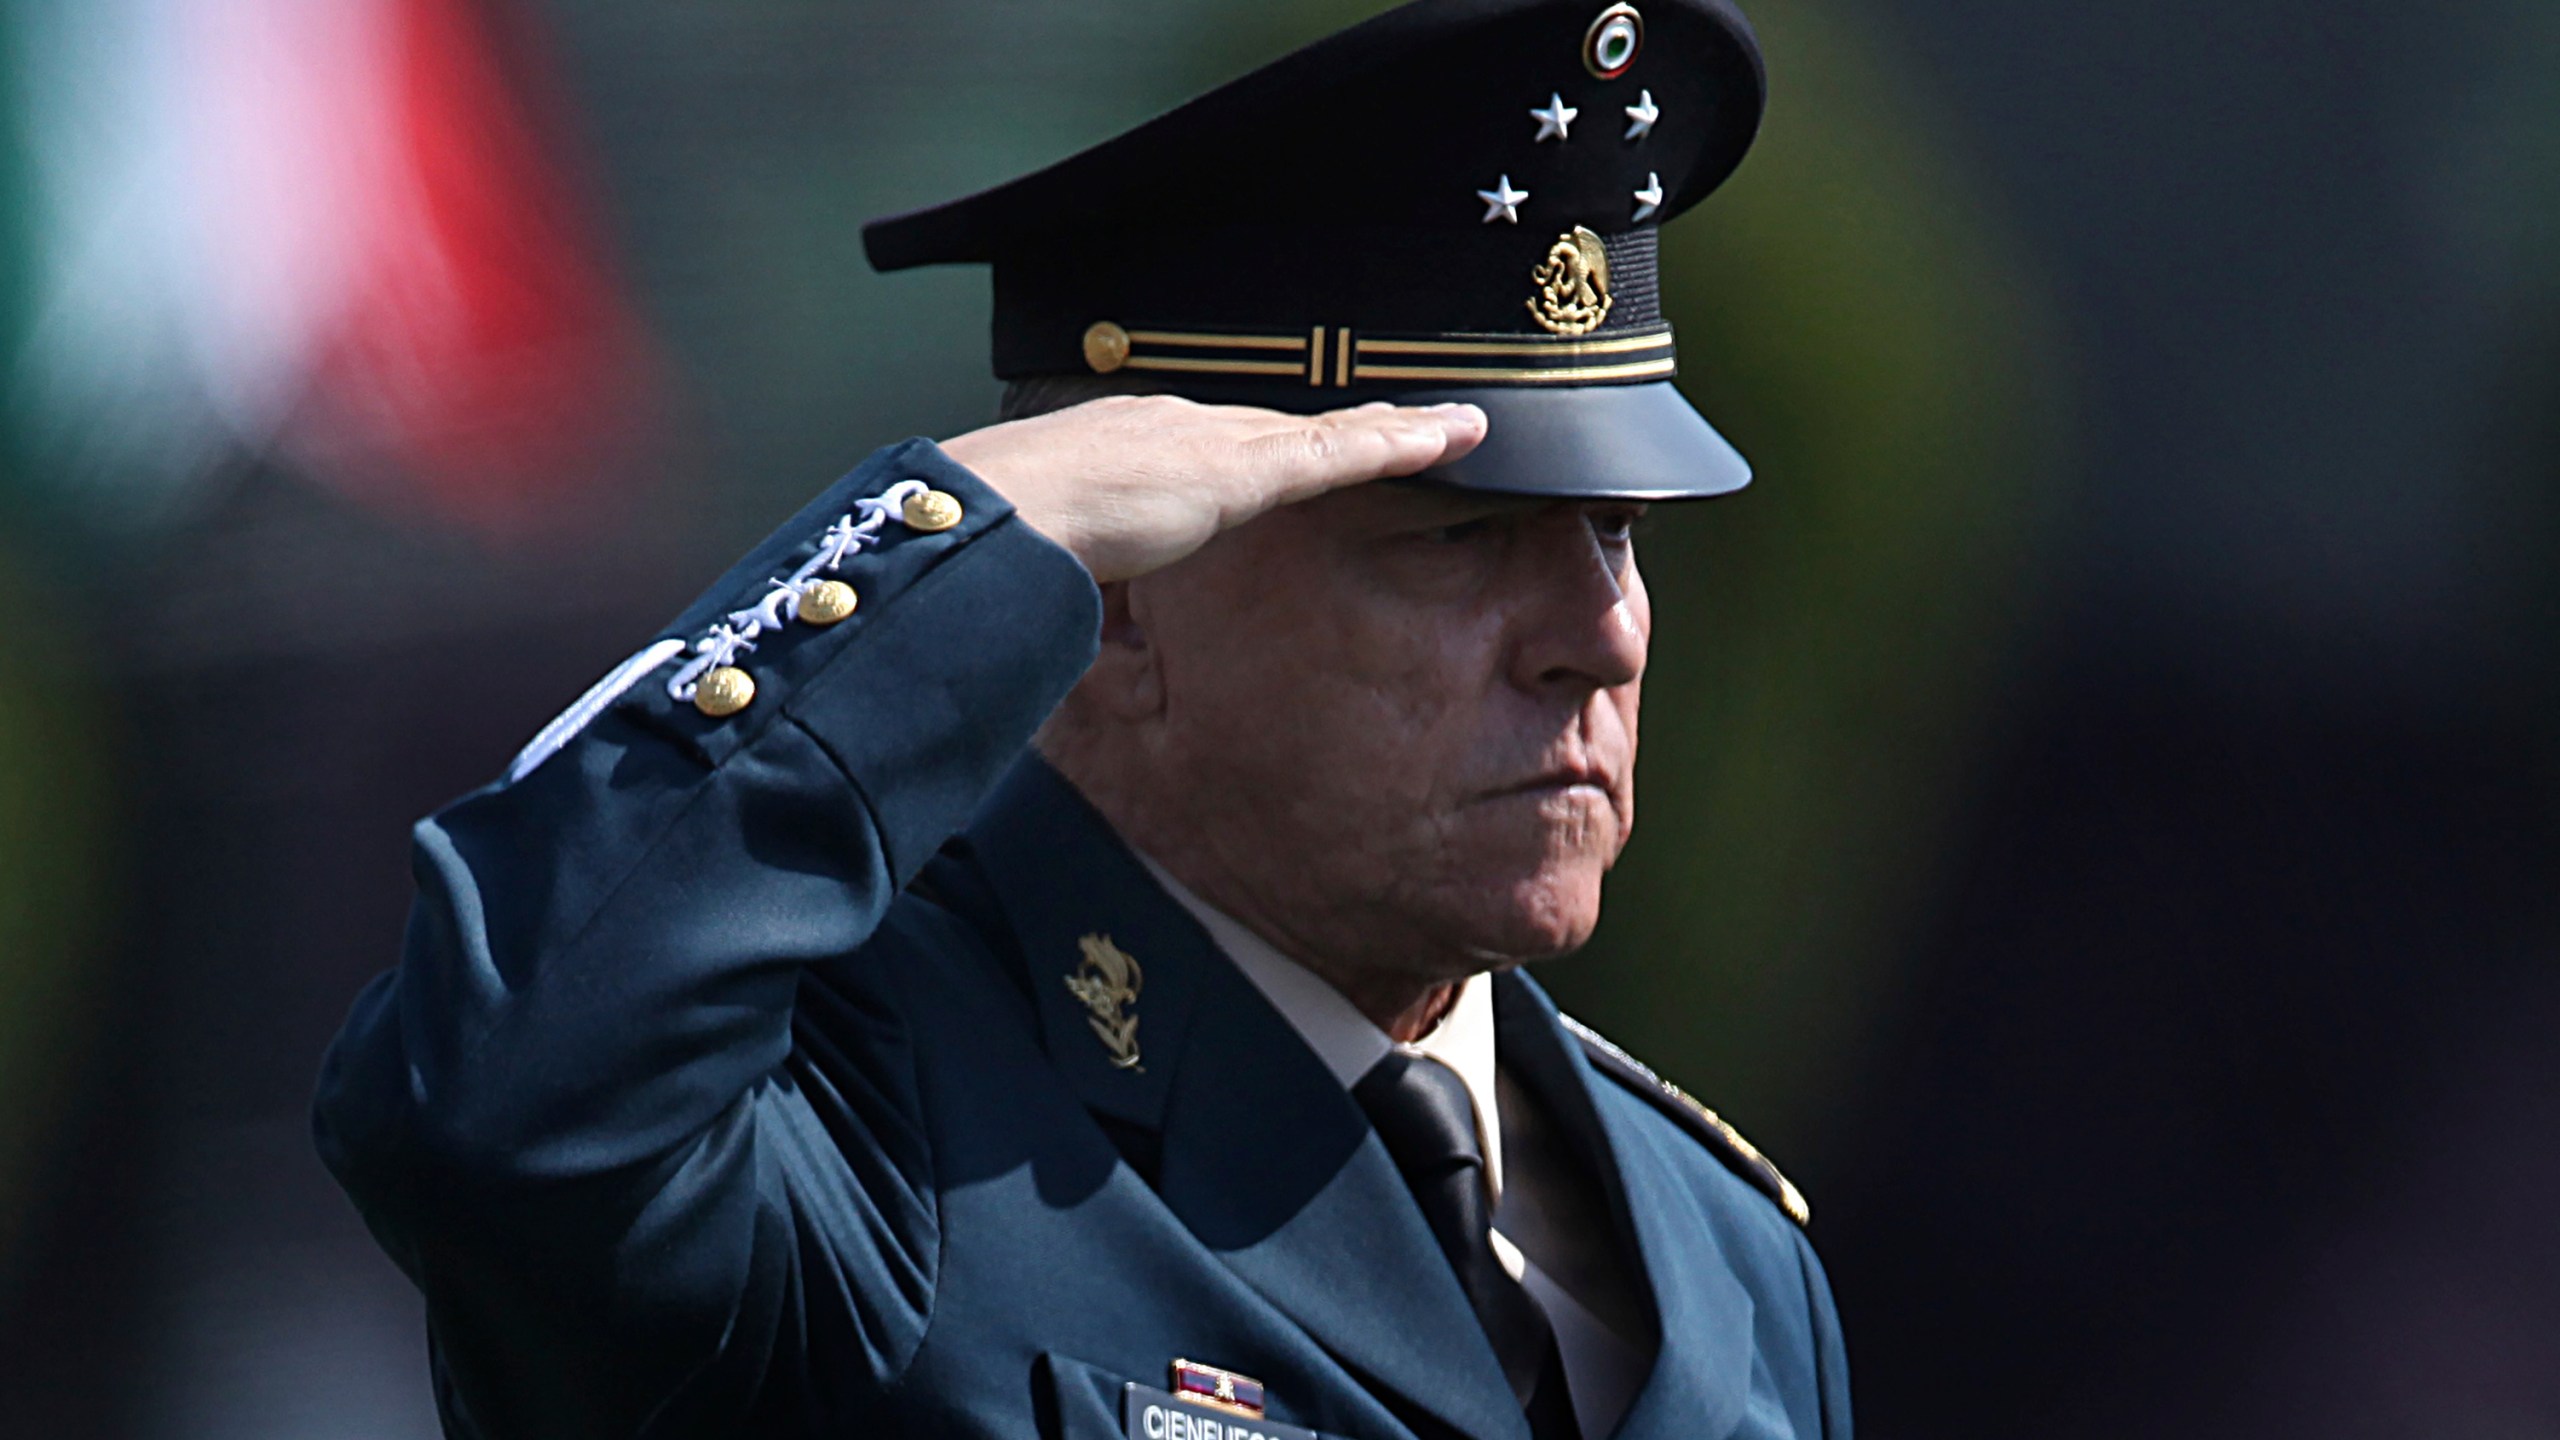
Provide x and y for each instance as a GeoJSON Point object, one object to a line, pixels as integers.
{"type": "Point", "coordinates": [1596, 442]}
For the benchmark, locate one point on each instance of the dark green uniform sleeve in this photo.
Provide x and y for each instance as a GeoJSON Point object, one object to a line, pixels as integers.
{"type": "Point", "coordinates": [569, 1115]}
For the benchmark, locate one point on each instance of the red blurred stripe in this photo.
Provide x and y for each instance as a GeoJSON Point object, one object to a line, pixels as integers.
{"type": "Point", "coordinates": [487, 364]}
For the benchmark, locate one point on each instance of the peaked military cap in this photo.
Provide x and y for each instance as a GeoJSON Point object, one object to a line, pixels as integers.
{"type": "Point", "coordinates": [1456, 200]}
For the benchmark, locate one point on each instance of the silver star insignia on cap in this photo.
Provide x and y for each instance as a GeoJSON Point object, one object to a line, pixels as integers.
{"type": "Point", "coordinates": [1502, 202]}
{"type": "Point", "coordinates": [1649, 199]}
{"type": "Point", "coordinates": [1641, 115]}
{"type": "Point", "coordinates": [1556, 121]}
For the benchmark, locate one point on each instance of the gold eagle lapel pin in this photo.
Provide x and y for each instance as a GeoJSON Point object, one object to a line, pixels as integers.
{"type": "Point", "coordinates": [1107, 982]}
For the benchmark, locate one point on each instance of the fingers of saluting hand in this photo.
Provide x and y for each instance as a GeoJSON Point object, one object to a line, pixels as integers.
{"type": "Point", "coordinates": [1306, 456]}
{"type": "Point", "coordinates": [1132, 484]}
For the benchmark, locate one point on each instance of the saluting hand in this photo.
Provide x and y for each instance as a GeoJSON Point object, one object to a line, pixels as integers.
{"type": "Point", "coordinates": [1132, 483]}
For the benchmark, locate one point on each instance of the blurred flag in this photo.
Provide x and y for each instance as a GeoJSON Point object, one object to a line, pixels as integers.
{"type": "Point", "coordinates": [340, 231]}
{"type": "Point", "coordinates": [15, 222]}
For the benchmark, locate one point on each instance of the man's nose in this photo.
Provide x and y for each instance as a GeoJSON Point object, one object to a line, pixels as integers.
{"type": "Point", "coordinates": [1580, 616]}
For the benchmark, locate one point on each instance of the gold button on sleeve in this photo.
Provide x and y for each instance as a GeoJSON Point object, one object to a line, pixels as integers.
{"type": "Point", "coordinates": [930, 512]}
{"type": "Point", "coordinates": [827, 602]}
{"type": "Point", "coordinates": [724, 692]}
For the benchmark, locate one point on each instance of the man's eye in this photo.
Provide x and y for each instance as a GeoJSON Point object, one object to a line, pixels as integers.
{"type": "Point", "coordinates": [1615, 527]}
{"type": "Point", "coordinates": [1462, 532]}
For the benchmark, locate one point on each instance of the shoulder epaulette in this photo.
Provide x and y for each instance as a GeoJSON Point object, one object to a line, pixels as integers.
{"type": "Point", "coordinates": [1738, 1154]}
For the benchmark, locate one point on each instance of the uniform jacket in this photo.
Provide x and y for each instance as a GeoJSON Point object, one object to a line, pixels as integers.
{"type": "Point", "coordinates": [731, 1083]}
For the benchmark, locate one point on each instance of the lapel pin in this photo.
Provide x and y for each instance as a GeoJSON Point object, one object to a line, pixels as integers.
{"type": "Point", "coordinates": [1107, 982]}
{"type": "Point", "coordinates": [1205, 1403]}
{"type": "Point", "coordinates": [1218, 1389]}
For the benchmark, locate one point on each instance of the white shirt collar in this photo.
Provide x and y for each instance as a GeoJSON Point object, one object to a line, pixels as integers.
{"type": "Point", "coordinates": [1343, 1038]}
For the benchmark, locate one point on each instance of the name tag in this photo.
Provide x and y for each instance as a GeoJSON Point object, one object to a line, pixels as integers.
{"type": "Point", "coordinates": [1152, 1414]}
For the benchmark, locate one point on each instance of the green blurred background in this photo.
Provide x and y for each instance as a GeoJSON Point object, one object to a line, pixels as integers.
{"type": "Point", "coordinates": [2096, 821]}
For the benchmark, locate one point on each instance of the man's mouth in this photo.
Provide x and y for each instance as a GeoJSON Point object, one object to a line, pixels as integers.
{"type": "Point", "coordinates": [1562, 780]}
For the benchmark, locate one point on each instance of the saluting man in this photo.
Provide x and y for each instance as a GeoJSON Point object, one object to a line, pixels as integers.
{"type": "Point", "coordinates": [1035, 950]}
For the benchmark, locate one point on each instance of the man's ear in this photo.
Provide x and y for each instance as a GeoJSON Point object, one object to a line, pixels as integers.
{"type": "Point", "coordinates": [1125, 680]}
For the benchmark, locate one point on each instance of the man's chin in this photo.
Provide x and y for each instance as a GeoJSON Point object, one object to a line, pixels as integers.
{"type": "Point", "coordinates": [1536, 917]}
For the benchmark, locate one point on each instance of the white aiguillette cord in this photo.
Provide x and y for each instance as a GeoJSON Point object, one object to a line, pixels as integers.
{"type": "Point", "coordinates": [733, 636]}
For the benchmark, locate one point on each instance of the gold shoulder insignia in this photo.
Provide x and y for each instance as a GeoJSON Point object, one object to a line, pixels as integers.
{"type": "Point", "coordinates": [1108, 981]}
{"type": "Point", "coordinates": [1739, 1154]}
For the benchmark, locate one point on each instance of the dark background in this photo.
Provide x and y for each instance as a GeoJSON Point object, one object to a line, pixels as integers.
{"type": "Point", "coordinates": [2098, 825]}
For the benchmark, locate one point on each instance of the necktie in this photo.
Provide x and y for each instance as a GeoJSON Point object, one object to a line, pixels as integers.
{"type": "Point", "coordinates": [1427, 1120]}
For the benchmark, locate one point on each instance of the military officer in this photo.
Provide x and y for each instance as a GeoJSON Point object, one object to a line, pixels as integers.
{"type": "Point", "coordinates": [1034, 951]}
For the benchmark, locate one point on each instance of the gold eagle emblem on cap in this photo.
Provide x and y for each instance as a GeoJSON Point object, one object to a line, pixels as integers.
{"type": "Point", "coordinates": [1573, 285]}
{"type": "Point", "coordinates": [1107, 982]}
